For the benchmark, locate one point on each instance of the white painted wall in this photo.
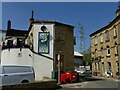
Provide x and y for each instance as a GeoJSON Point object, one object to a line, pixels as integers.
{"type": "Point", "coordinates": [2, 35]}
{"type": "Point", "coordinates": [12, 57]}
{"type": "Point", "coordinates": [37, 29]}
{"type": "Point", "coordinates": [42, 65]}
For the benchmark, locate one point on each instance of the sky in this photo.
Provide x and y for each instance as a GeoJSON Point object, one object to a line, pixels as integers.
{"type": "Point", "coordinates": [91, 15]}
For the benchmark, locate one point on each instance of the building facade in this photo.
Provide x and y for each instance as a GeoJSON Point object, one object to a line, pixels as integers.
{"type": "Point", "coordinates": [78, 59]}
{"type": "Point", "coordinates": [45, 39]}
{"type": "Point", "coordinates": [105, 48]}
{"type": "Point", "coordinates": [60, 41]}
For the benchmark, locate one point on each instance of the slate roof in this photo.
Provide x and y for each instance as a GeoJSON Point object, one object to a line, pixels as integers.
{"type": "Point", "coordinates": [48, 21]}
{"type": "Point", "coordinates": [16, 32]}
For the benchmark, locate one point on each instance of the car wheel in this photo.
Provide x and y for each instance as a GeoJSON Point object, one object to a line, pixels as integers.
{"type": "Point", "coordinates": [25, 81]}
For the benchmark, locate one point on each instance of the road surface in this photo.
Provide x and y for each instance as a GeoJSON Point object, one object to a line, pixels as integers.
{"type": "Point", "coordinates": [94, 83]}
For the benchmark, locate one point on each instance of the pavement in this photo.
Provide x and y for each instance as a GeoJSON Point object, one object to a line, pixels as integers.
{"type": "Point", "coordinates": [110, 78]}
{"type": "Point", "coordinates": [73, 85]}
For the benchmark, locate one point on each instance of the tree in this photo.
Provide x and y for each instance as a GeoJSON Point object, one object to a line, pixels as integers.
{"type": "Point", "coordinates": [87, 57]}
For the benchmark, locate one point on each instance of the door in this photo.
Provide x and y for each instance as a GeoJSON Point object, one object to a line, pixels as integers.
{"type": "Point", "coordinates": [61, 63]}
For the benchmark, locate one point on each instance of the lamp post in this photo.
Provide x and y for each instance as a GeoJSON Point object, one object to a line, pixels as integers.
{"type": "Point", "coordinates": [58, 57]}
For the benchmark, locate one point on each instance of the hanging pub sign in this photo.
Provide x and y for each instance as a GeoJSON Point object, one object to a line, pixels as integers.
{"type": "Point", "coordinates": [43, 42]}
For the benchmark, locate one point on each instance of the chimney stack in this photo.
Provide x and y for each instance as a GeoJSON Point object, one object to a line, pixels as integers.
{"type": "Point", "coordinates": [31, 19]}
{"type": "Point", "coordinates": [8, 25]}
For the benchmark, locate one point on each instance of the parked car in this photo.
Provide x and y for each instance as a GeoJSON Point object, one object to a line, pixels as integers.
{"type": "Point", "coordinates": [88, 73]}
{"type": "Point", "coordinates": [81, 71]}
{"type": "Point", "coordinates": [14, 74]}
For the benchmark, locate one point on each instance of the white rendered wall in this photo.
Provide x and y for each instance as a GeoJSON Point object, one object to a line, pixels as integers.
{"type": "Point", "coordinates": [13, 57]}
{"type": "Point", "coordinates": [37, 29]}
{"type": "Point", "coordinates": [42, 65]}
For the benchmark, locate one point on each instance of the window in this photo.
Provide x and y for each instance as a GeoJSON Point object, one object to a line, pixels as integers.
{"type": "Point", "coordinates": [43, 28]}
{"type": "Point", "coordinates": [116, 49]}
{"type": "Point", "coordinates": [115, 32]}
{"type": "Point", "coordinates": [109, 67]}
{"type": "Point", "coordinates": [117, 65]}
{"type": "Point", "coordinates": [95, 67]}
{"type": "Point", "coordinates": [95, 53]}
{"type": "Point", "coordinates": [101, 38]}
{"type": "Point", "coordinates": [98, 66]}
{"type": "Point", "coordinates": [10, 43]}
{"type": "Point", "coordinates": [16, 69]}
{"type": "Point", "coordinates": [108, 51]}
{"type": "Point", "coordinates": [103, 68]}
{"type": "Point", "coordinates": [96, 41]}
{"type": "Point", "coordinates": [107, 36]}
{"type": "Point", "coordinates": [102, 51]}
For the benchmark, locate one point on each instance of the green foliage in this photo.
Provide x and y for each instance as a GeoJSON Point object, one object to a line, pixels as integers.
{"type": "Point", "coordinates": [87, 57]}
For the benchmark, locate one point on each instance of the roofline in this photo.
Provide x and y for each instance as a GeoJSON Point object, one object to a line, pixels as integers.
{"type": "Point", "coordinates": [48, 21]}
{"type": "Point", "coordinates": [19, 30]}
{"type": "Point", "coordinates": [51, 21]}
{"type": "Point", "coordinates": [105, 27]}
{"type": "Point", "coordinates": [77, 56]}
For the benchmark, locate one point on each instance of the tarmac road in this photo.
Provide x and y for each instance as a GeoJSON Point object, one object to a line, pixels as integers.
{"type": "Point", "coordinates": [90, 82]}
